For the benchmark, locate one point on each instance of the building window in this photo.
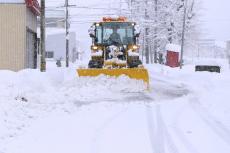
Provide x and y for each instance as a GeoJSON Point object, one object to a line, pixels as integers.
{"type": "Point", "coordinates": [49, 54]}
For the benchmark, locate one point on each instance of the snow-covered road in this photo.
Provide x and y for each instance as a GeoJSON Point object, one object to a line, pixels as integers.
{"type": "Point", "coordinates": [185, 112]}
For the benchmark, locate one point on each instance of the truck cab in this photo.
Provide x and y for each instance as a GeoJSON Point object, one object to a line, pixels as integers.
{"type": "Point", "coordinates": [114, 43]}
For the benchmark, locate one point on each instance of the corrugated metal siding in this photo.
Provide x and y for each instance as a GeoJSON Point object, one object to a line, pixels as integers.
{"type": "Point", "coordinates": [30, 49]}
{"type": "Point", "coordinates": [12, 36]}
{"type": "Point", "coordinates": [31, 23]}
{"type": "Point", "coordinates": [31, 20]}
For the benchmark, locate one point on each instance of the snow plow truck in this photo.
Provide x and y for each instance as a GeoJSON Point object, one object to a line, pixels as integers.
{"type": "Point", "coordinates": [115, 50]}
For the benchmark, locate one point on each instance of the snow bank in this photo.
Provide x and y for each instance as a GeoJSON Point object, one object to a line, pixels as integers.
{"type": "Point", "coordinates": [29, 94]}
{"type": "Point", "coordinates": [57, 83]}
{"type": "Point", "coordinates": [185, 111]}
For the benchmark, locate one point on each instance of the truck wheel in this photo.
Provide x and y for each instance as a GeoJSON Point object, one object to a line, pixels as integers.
{"type": "Point", "coordinates": [95, 64]}
{"type": "Point", "coordinates": [135, 64]}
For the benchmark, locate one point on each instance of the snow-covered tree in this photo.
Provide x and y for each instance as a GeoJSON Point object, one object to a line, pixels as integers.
{"type": "Point", "coordinates": [161, 23]}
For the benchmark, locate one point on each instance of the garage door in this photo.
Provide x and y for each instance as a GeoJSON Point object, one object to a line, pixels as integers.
{"type": "Point", "coordinates": [31, 50]}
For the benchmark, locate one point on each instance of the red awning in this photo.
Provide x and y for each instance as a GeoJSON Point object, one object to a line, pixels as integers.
{"type": "Point", "coordinates": [33, 5]}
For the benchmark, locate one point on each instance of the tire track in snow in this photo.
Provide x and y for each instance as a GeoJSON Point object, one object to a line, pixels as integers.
{"type": "Point", "coordinates": [189, 146]}
{"type": "Point", "coordinates": [222, 131]}
{"type": "Point", "coordinates": [158, 134]}
{"type": "Point", "coordinates": [125, 98]}
{"type": "Point", "coordinates": [155, 132]}
{"type": "Point", "coordinates": [99, 130]}
{"type": "Point", "coordinates": [166, 90]}
{"type": "Point", "coordinates": [180, 134]}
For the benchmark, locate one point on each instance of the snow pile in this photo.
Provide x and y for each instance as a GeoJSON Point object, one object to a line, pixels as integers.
{"type": "Point", "coordinates": [184, 111]}
{"type": "Point", "coordinates": [211, 62]}
{"type": "Point", "coordinates": [57, 85]}
{"type": "Point", "coordinates": [115, 60]}
{"type": "Point", "coordinates": [210, 91]}
{"type": "Point", "coordinates": [29, 94]}
{"type": "Point", "coordinates": [173, 47]}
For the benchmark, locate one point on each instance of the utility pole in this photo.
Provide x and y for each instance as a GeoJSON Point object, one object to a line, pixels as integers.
{"type": "Point", "coordinates": [131, 9]}
{"type": "Point", "coordinates": [120, 5]}
{"type": "Point", "coordinates": [183, 34]}
{"type": "Point", "coordinates": [67, 32]}
{"type": "Point", "coordinates": [43, 36]}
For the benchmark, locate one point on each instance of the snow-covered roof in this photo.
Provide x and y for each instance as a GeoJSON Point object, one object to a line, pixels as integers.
{"type": "Point", "coordinates": [208, 61]}
{"type": "Point", "coordinates": [12, 1]}
{"type": "Point", "coordinates": [173, 47]}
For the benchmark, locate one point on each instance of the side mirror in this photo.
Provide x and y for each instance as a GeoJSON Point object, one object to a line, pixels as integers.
{"type": "Point", "coordinates": [92, 35]}
{"type": "Point", "coordinates": [92, 31]}
{"type": "Point", "coordinates": [137, 30]}
{"type": "Point", "coordinates": [137, 35]}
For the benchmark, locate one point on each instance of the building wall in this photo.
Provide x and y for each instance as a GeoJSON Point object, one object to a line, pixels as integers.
{"type": "Point", "coordinates": [31, 48]}
{"type": "Point", "coordinates": [12, 36]}
{"type": "Point", "coordinates": [31, 20]}
{"type": "Point", "coordinates": [56, 43]}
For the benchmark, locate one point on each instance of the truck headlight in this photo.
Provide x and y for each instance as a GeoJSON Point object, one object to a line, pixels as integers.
{"type": "Point", "coordinates": [135, 47]}
{"type": "Point", "coordinates": [94, 48]}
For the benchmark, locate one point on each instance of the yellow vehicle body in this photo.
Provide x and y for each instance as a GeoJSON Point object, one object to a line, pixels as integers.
{"type": "Point", "coordinates": [127, 64]}
{"type": "Point", "coordinates": [133, 73]}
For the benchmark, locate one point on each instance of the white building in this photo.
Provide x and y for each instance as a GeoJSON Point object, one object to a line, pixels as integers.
{"type": "Point", "coordinates": [210, 48]}
{"type": "Point", "coordinates": [56, 46]}
{"type": "Point", "coordinates": [54, 19]}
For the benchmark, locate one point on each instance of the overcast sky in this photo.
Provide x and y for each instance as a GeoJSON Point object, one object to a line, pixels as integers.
{"type": "Point", "coordinates": [216, 16]}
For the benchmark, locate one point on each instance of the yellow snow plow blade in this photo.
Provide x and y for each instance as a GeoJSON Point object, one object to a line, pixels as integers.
{"type": "Point", "coordinates": [133, 73]}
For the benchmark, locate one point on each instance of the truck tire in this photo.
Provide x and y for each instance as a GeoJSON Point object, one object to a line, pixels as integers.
{"type": "Point", "coordinates": [95, 64]}
{"type": "Point", "coordinates": [135, 64]}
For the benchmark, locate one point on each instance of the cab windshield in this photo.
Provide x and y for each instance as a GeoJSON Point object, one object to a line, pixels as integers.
{"type": "Point", "coordinates": [115, 33]}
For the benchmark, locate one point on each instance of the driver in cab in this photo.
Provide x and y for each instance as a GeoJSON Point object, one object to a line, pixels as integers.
{"type": "Point", "coordinates": [115, 37]}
